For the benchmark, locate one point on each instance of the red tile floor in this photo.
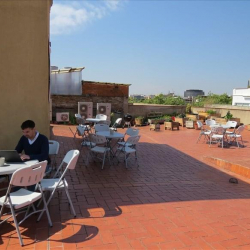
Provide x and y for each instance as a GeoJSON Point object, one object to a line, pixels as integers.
{"type": "Point", "coordinates": [173, 200]}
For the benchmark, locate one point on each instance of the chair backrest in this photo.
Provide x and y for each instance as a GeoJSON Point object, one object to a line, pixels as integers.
{"type": "Point", "coordinates": [80, 130]}
{"type": "Point", "coordinates": [210, 122]}
{"type": "Point", "coordinates": [97, 139]}
{"type": "Point", "coordinates": [218, 130]}
{"type": "Point", "coordinates": [101, 116]}
{"type": "Point", "coordinates": [101, 127]}
{"type": "Point", "coordinates": [133, 140]}
{"type": "Point", "coordinates": [239, 129]}
{"type": "Point", "coordinates": [53, 147]}
{"type": "Point", "coordinates": [28, 176]}
{"type": "Point", "coordinates": [199, 123]}
{"type": "Point", "coordinates": [104, 122]}
{"type": "Point", "coordinates": [79, 119]}
{"type": "Point", "coordinates": [232, 124]}
{"type": "Point", "coordinates": [132, 131]}
{"type": "Point", "coordinates": [71, 158]}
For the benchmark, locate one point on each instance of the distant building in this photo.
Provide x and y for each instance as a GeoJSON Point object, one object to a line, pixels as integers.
{"type": "Point", "coordinates": [138, 97]}
{"type": "Point", "coordinates": [193, 93]}
{"type": "Point", "coordinates": [241, 97]}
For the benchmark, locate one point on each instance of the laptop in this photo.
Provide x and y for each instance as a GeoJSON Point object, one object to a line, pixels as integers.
{"type": "Point", "coordinates": [10, 156]}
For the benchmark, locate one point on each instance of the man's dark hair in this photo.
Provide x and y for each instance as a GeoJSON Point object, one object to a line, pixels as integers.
{"type": "Point", "coordinates": [28, 124]}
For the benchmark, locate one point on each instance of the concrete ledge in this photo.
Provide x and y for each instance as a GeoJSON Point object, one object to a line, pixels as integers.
{"type": "Point", "coordinates": [235, 168]}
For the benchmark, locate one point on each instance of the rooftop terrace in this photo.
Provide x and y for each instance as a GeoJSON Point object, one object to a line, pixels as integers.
{"type": "Point", "coordinates": [179, 198]}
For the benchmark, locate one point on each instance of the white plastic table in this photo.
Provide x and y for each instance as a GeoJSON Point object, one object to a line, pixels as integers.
{"type": "Point", "coordinates": [10, 168]}
{"type": "Point", "coordinates": [94, 120]}
{"type": "Point", "coordinates": [219, 125]}
{"type": "Point", "coordinates": [108, 135]}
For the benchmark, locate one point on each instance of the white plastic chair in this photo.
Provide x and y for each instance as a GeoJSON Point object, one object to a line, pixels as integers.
{"type": "Point", "coordinates": [210, 122]}
{"type": "Point", "coordinates": [126, 149]}
{"type": "Point", "coordinates": [204, 132]}
{"type": "Point", "coordinates": [53, 151]}
{"type": "Point", "coordinates": [101, 127]}
{"type": "Point", "coordinates": [116, 124]}
{"type": "Point", "coordinates": [104, 122]}
{"type": "Point", "coordinates": [24, 177]}
{"type": "Point", "coordinates": [129, 132]}
{"type": "Point", "coordinates": [217, 135]}
{"type": "Point", "coordinates": [101, 116]}
{"type": "Point", "coordinates": [81, 122]}
{"type": "Point", "coordinates": [99, 146]}
{"type": "Point", "coordinates": [231, 124]}
{"type": "Point", "coordinates": [58, 182]}
{"type": "Point", "coordinates": [237, 135]}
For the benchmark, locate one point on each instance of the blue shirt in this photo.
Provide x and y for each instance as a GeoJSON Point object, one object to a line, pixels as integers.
{"type": "Point", "coordinates": [38, 150]}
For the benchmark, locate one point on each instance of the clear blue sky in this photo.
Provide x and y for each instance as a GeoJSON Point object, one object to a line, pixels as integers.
{"type": "Point", "coordinates": [157, 46]}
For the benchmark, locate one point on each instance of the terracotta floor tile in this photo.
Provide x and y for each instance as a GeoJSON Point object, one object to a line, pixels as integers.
{"type": "Point", "coordinates": [179, 198]}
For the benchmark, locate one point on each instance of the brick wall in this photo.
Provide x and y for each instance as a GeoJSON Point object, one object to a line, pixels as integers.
{"type": "Point", "coordinates": [104, 89]}
{"type": "Point", "coordinates": [69, 103]}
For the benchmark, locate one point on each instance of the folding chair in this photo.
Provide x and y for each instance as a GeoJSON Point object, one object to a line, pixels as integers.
{"type": "Point", "coordinates": [100, 147]}
{"type": "Point", "coordinates": [51, 185]}
{"type": "Point", "coordinates": [203, 131]}
{"type": "Point", "coordinates": [83, 132]}
{"type": "Point", "coordinates": [116, 124]}
{"type": "Point", "coordinates": [101, 116]}
{"type": "Point", "coordinates": [233, 125]}
{"type": "Point", "coordinates": [126, 149]}
{"type": "Point", "coordinates": [217, 135]}
{"type": "Point", "coordinates": [237, 135]}
{"type": "Point", "coordinates": [101, 127]}
{"type": "Point", "coordinates": [24, 177]}
{"type": "Point", "coordinates": [53, 151]}
{"type": "Point", "coordinates": [210, 122]}
{"type": "Point", "coordinates": [129, 132]}
{"type": "Point", "coordinates": [104, 122]}
{"type": "Point", "coordinates": [81, 122]}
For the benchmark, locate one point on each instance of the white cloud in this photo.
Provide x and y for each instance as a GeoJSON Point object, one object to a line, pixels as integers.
{"type": "Point", "coordinates": [68, 16]}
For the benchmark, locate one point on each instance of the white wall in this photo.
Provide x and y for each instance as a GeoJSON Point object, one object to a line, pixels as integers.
{"type": "Point", "coordinates": [241, 97]}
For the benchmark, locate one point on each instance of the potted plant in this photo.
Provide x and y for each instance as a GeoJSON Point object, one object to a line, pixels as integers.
{"type": "Point", "coordinates": [169, 123]}
{"type": "Point", "coordinates": [228, 116]}
{"type": "Point", "coordinates": [139, 120]}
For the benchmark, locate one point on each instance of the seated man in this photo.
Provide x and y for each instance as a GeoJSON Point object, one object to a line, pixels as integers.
{"type": "Point", "coordinates": [34, 145]}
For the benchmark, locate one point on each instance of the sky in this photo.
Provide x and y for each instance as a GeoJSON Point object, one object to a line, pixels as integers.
{"type": "Point", "coordinates": [156, 46]}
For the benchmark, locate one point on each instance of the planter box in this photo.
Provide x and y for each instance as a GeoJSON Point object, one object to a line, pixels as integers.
{"type": "Point", "coordinates": [171, 125]}
{"type": "Point", "coordinates": [203, 115]}
{"type": "Point", "coordinates": [181, 121]}
{"type": "Point", "coordinates": [192, 117]}
{"type": "Point", "coordinates": [154, 126]}
{"type": "Point", "coordinates": [156, 121]}
{"type": "Point", "coordinates": [190, 124]}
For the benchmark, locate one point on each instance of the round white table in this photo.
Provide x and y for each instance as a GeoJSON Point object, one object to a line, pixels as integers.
{"type": "Point", "coordinates": [10, 168]}
{"type": "Point", "coordinates": [219, 125]}
{"type": "Point", "coordinates": [94, 120]}
{"type": "Point", "coordinates": [108, 135]}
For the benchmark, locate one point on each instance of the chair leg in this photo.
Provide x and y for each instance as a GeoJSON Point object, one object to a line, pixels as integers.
{"type": "Point", "coordinates": [198, 138]}
{"type": "Point", "coordinates": [103, 161]}
{"type": "Point", "coordinates": [126, 160]}
{"type": "Point", "coordinates": [242, 142]}
{"type": "Point", "coordinates": [46, 210]}
{"type": "Point", "coordinates": [16, 223]}
{"type": "Point", "coordinates": [70, 202]}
